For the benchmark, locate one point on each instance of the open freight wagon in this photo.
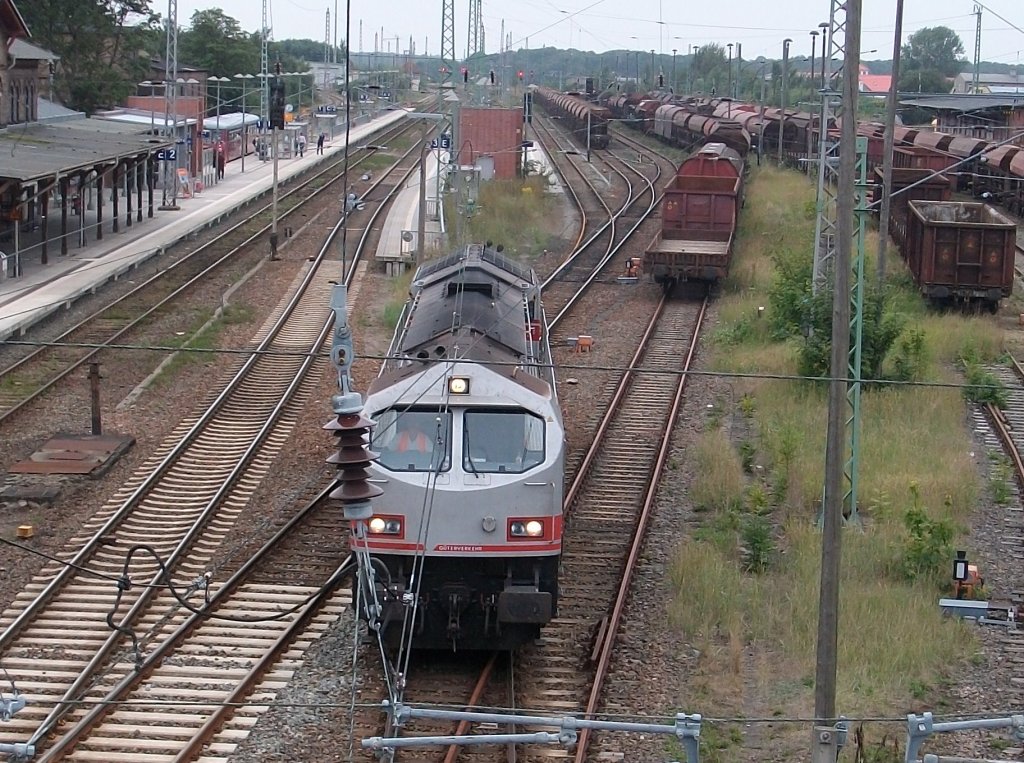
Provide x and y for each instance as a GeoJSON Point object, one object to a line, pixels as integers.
{"type": "Point", "coordinates": [698, 218]}
{"type": "Point", "coordinates": [961, 251]}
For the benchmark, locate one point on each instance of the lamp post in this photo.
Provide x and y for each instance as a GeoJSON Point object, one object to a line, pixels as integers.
{"type": "Point", "coordinates": [245, 129]}
{"type": "Point", "coordinates": [728, 111]}
{"type": "Point", "coordinates": [785, 76]}
{"type": "Point", "coordinates": [814, 44]}
{"type": "Point", "coordinates": [674, 88]}
{"type": "Point", "coordinates": [218, 80]}
{"type": "Point", "coordinates": [689, 70]}
{"type": "Point", "coordinates": [653, 76]}
{"type": "Point", "coordinates": [824, 26]}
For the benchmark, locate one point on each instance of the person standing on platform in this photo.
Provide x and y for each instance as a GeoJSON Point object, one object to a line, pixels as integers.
{"type": "Point", "coordinates": [221, 160]}
{"type": "Point", "coordinates": [320, 143]}
{"type": "Point", "coordinates": [302, 144]}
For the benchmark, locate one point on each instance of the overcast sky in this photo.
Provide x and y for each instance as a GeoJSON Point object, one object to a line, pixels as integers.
{"type": "Point", "coordinates": [598, 25]}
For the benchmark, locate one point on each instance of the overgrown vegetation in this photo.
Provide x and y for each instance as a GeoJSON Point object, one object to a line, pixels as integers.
{"type": "Point", "coordinates": [514, 213]}
{"type": "Point", "coordinates": [750, 574]}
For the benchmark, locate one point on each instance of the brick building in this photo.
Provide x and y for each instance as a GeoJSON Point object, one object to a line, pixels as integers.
{"type": "Point", "coordinates": [491, 139]}
{"type": "Point", "coordinates": [19, 78]}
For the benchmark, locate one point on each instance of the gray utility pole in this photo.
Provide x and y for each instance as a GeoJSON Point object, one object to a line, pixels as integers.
{"type": "Point", "coordinates": [833, 505]}
{"type": "Point", "coordinates": [977, 50]}
{"type": "Point", "coordinates": [887, 144]}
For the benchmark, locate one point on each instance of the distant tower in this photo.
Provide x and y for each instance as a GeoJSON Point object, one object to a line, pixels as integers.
{"type": "Point", "coordinates": [447, 40]}
{"type": "Point", "coordinates": [475, 34]}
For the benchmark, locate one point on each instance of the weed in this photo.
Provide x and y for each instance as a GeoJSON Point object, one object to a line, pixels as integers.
{"type": "Point", "coordinates": [909, 358]}
{"type": "Point", "coordinates": [929, 547]}
{"type": "Point", "coordinates": [999, 479]}
{"type": "Point", "coordinates": [758, 544]}
{"type": "Point", "coordinates": [983, 386]}
{"type": "Point", "coordinates": [747, 452]}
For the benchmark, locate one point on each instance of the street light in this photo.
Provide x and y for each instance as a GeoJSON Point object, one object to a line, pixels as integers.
{"type": "Point", "coordinates": [245, 129]}
{"type": "Point", "coordinates": [824, 26]}
{"type": "Point", "coordinates": [152, 109]}
{"type": "Point", "coordinates": [728, 112]}
{"type": "Point", "coordinates": [785, 75]}
{"type": "Point", "coordinates": [218, 80]}
{"type": "Point", "coordinates": [674, 88]}
{"type": "Point", "coordinates": [814, 45]}
{"type": "Point", "coordinates": [689, 70]}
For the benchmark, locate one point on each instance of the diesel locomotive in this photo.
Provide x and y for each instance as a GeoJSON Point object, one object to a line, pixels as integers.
{"type": "Point", "coordinates": [466, 537]}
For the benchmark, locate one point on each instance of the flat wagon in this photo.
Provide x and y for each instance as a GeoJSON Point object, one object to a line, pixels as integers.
{"type": "Point", "coordinates": [698, 218]}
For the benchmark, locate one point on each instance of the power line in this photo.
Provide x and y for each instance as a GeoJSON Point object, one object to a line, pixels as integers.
{"type": "Point", "coordinates": [510, 364]}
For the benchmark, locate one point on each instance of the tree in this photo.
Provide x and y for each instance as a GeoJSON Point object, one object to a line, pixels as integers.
{"type": "Point", "coordinates": [934, 49]}
{"type": "Point", "coordinates": [923, 81]}
{"type": "Point", "coordinates": [103, 46]}
{"type": "Point", "coordinates": [216, 42]}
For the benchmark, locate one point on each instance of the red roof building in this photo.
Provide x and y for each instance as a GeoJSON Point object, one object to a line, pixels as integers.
{"type": "Point", "coordinates": [873, 83]}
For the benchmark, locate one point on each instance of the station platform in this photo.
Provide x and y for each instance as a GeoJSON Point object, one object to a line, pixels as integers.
{"type": "Point", "coordinates": [396, 250]}
{"type": "Point", "coordinates": [40, 289]}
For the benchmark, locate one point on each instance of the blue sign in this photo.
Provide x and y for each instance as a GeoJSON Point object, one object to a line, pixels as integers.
{"type": "Point", "coordinates": [445, 141]}
{"type": "Point", "coordinates": [167, 155]}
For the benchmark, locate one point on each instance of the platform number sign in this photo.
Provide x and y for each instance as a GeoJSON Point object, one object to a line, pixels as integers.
{"type": "Point", "coordinates": [167, 155]}
{"type": "Point", "coordinates": [445, 142]}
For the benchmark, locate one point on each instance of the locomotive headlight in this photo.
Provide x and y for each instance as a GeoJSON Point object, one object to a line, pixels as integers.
{"type": "Point", "coordinates": [458, 385]}
{"type": "Point", "coordinates": [385, 526]}
{"type": "Point", "coordinates": [525, 528]}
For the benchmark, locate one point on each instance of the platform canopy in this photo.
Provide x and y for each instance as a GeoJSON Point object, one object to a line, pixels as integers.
{"type": "Point", "coordinates": [36, 151]}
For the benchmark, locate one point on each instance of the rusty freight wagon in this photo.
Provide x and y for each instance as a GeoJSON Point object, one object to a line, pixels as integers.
{"type": "Point", "coordinates": [698, 218]}
{"type": "Point", "coordinates": [909, 185]}
{"type": "Point", "coordinates": [960, 251]}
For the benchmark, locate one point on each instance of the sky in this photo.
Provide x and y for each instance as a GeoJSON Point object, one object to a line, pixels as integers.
{"type": "Point", "coordinates": [598, 25]}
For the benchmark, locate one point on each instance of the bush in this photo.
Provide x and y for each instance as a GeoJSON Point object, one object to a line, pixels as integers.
{"type": "Point", "coordinates": [909, 360]}
{"type": "Point", "coordinates": [929, 547]}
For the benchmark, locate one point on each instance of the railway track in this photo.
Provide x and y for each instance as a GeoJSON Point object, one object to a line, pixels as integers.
{"type": "Point", "coordinates": [240, 247]}
{"type": "Point", "coordinates": [72, 652]}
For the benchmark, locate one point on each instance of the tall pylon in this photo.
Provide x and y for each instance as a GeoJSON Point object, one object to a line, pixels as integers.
{"type": "Point", "coordinates": [447, 40]}
{"type": "Point", "coordinates": [265, 65]}
{"type": "Point", "coordinates": [977, 50]}
{"type": "Point", "coordinates": [826, 238]}
{"type": "Point", "coordinates": [473, 32]}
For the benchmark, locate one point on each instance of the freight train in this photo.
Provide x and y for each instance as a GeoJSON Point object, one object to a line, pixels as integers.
{"type": "Point", "coordinates": [699, 213]}
{"type": "Point", "coordinates": [587, 121]}
{"type": "Point", "coordinates": [467, 535]}
{"type": "Point", "coordinates": [957, 252]}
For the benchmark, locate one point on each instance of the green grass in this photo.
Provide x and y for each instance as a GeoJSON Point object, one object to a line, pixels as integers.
{"type": "Point", "coordinates": [517, 214]}
{"type": "Point", "coordinates": [910, 436]}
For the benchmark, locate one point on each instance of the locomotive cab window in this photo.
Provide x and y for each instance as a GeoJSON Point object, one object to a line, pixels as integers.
{"type": "Point", "coordinates": [413, 440]}
{"type": "Point", "coordinates": [502, 441]}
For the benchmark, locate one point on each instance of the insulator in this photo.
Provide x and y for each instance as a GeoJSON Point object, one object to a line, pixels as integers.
{"type": "Point", "coordinates": [353, 456]}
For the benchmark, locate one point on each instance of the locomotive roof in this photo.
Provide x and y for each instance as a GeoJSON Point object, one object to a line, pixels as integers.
{"type": "Point", "coordinates": [474, 297]}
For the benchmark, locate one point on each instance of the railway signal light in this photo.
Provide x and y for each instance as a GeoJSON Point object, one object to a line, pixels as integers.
{"type": "Point", "coordinates": [520, 75]}
{"type": "Point", "coordinates": [465, 75]}
{"type": "Point", "coordinates": [492, 76]}
{"type": "Point", "coordinates": [277, 105]}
